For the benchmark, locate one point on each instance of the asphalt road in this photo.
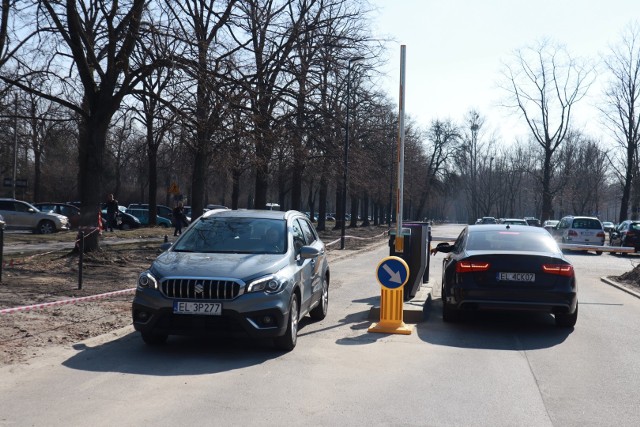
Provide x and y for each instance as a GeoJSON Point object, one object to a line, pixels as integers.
{"type": "Point", "coordinates": [494, 369]}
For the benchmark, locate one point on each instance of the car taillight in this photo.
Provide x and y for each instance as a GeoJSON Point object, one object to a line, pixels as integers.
{"type": "Point", "coordinates": [469, 267]}
{"type": "Point", "coordinates": [559, 269]}
{"type": "Point", "coordinates": [573, 233]}
{"type": "Point", "coordinates": [631, 233]}
{"type": "Point", "coordinates": [600, 234]}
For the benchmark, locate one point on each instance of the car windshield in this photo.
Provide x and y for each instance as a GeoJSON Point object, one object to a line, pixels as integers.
{"type": "Point", "coordinates": [234, 235]}
{"type": "Point", "coordinates": [511, 241]}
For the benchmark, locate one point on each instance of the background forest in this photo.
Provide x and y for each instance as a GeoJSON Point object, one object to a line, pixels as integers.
{"type": "Point", "coordinates": [244, 103]}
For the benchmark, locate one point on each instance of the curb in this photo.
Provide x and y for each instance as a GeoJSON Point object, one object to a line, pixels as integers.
{"type": "Point", "coordinates": [619, 286]}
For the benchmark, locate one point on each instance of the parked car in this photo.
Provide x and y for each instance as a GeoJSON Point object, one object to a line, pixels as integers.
{"type": "Point", "coordinates": [626, 235]}
{"type": "Point", "coordinates": [580, 230]}
{"type": "Point", "coordinates": [161, 210]}
{"type": "Point", "coordinates": [513, 221]}
{"type": "Point", "coordinates": [509, 268]}
{"type": "Point", "coordinates": [143, 216]}
{"type": "Point", "coordinates": [70, 211]}
{"type": "Point", "coordinates": [488, 220]}
{"type": "Point", "coordinates": [550, 225]}
{"type": "Point", "coordinates": [532, 221]}
{"type": "Point", "coordinates": [124, 220]}
{"type": "Point", "coordinates": [19, 215]}
{"type": "Point", "coordinates": [236, 272]}
{"type": "Point", "coordinates": [608, 226]}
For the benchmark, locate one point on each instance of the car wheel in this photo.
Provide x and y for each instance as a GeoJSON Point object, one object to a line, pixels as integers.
{"type": "Point", "coordinates": [320, 311]}
{"type": "Point", "coordinates": [567, 320]}
{"type": "Point", "coordinates": [449, 313]}
{"type": "Point", "coordinates": [287, 342]}
{"type": "Point", "coordinates": [598, 252]}
{"type": "Point", "coordinates": [46, 227]}
{"type": "Point", "coordinates": [153, 339]}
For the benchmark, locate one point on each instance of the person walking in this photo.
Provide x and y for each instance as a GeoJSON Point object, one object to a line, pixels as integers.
{"type": "Point", "coordinates": [112, 212]}
{"type": "Point", "coordinates": [179, 219]}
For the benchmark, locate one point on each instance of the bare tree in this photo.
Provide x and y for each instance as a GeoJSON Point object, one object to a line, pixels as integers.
{"type": "Point", "coordinates": [544, 83]}
{"type": "Point", "coordinates": [622, 107]}
{"type": "Point", "coordinates": [85, 50]}
{"type": "Point", "coordinates": [469, 158]}
{"type": "Point", "coordinates": [443, 137]}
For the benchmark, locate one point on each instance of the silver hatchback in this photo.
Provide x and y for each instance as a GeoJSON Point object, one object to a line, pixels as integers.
{"type": "Point", "coordinates": [19, 215]}
{"type": "Point", "coordinates": [580, 230]}
{"type": "Point", "coordinates": [236, 272]}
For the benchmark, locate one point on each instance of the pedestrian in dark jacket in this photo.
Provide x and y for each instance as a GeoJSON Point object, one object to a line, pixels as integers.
{"type": "Point", "coordinates": [112, 212]}
{"type": "Point", "coordinates": [179, 219]}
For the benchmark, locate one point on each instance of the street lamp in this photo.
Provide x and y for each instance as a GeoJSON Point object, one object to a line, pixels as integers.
{"type": "Point", "coordinates": [345, 171]}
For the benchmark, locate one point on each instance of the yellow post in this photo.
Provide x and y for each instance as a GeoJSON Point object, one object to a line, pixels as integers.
{"type": "Point", "coordinates": [390, 275]}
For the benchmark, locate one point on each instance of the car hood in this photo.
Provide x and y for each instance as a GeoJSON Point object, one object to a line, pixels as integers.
{"type": "Point", "coordinates": [245, 267]}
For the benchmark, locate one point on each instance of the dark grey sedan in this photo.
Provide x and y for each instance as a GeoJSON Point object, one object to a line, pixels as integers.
{"type": "Point", "coordinates": [507, 267]}
{"type": "Point", "coordinates": [236, 272]}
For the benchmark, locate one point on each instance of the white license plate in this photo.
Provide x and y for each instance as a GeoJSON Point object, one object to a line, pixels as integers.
{"type": "Point", "coordinates": [516, 277]}
{"type": "Point", "coordinates": [206, 308]}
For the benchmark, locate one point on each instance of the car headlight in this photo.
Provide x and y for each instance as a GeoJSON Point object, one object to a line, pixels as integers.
{"type": "Point", "coordinates": [269, 284]}
{"type": "Point", "coordinates": [147, 281]}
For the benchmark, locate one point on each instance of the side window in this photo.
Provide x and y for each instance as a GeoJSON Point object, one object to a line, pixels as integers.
{"type": "Point", "coordinates": [19, 207]}
{"type": "Point", "coordinates": [460, 242]}
{"type": "Point", "coordinates": [298, 236]}
{"type": "Point", "coordinates": [307, 229]}
{"type": "Point", "coordinates": [6, 206]}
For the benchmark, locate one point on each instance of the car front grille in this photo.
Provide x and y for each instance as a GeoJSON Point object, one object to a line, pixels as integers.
{"type": "Point", "coordinates": [201, 289]}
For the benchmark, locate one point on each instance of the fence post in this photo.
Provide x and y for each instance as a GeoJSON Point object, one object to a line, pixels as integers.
{"type": "Point", "coordinates": [80, 259]}
{"type": "Point", "coordinates": [1, 251]}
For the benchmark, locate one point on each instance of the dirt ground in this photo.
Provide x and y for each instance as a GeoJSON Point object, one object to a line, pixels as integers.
{"type": "Point", "coordinates": [46, 279]}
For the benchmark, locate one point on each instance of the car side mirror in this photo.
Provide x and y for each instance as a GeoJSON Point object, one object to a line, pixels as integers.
{"type": "Point", "coordinates": [309, 252]}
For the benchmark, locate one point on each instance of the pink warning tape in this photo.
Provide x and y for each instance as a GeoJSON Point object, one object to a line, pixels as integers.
{"type": "Point", "coordinates": [66, 301]}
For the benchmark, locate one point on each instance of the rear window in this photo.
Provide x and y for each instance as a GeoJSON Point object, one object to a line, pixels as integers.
{"type": "Point", "coordinates": [587, 224]}
{"type": "Point", "coordinates": [511, 241]}
{"type": "Point", "coordinates": [634, 226]}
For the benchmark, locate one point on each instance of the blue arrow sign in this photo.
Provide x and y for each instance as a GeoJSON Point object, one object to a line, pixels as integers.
{"type": "Point", "coordinates": [392, 272]}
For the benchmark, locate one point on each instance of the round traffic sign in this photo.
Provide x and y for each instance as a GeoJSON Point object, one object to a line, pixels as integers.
{"type": "Point", "coordinates": [392, 272]}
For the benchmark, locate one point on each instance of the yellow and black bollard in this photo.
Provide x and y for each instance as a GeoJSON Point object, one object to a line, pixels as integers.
{"type": "Point", "coordinates": [392, 274]}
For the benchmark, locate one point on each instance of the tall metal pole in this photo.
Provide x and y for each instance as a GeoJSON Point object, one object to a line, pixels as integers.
{"type": "Point", "coordinates": [15, 144]}
{"type": "Point", "coordinates": [399, 241]}
{"type": "Point", "coordinates": [345, 171]}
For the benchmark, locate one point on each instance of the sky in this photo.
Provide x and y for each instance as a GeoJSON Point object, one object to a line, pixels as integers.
{"type": "Point", "coordinates": [455, 51]}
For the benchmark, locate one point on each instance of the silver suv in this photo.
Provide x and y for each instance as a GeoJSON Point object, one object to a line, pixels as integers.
{"type": "Point", "coordinates": [236, 272]}
{"type": "Point", "coordinates": [19, 215]}
{"type": "Point", "coordinates": [580, 230]}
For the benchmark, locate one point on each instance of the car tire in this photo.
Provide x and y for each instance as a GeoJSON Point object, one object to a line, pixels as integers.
{"type": "Point", "coordinates": [567, 320]}
{"type": "Point", "coordinates": [46, 227]}
{"type": "Point", "coordinates": [153, 339]}
{"type": "Point", "coordinates": [598, 252]}
{"type": "Point", "coordinates": [320, 311]}
{"type": "Point", "coordinates": [449, 313]}
{"type": "Point", "coordinates": [288, 341]}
